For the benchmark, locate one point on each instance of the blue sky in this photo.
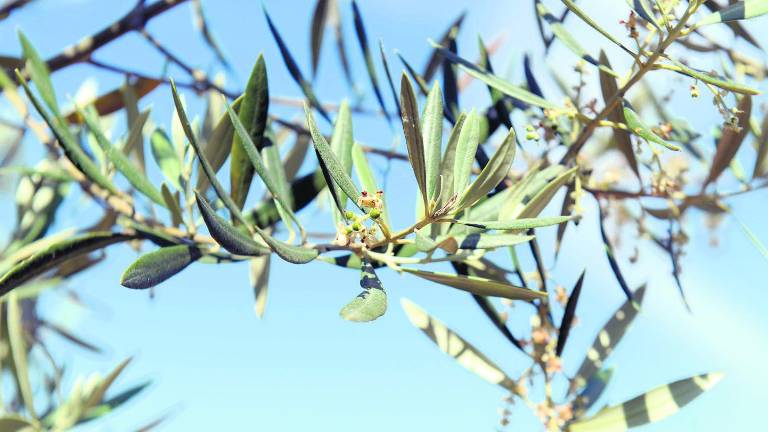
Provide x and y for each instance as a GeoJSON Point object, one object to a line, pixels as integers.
{"type": "Point", "coordinates": [215, 365]}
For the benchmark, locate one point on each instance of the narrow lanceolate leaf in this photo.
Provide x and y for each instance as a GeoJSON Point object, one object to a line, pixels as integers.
{"type": "Point", "coordinates": [568, 315]}
{"type": "Point", "coordinates": [496, 82]}
{"type": "Point", "coordinates": [517, 224]}
{"type": "Point", "coordinates": [98, 393]}
{"type": "Point", "coordinates": [18, 346]}
{"type": "Point", "coordinates": [611, 255]}
{"type": "Point", "coordinates": [55, 254]}
{"type": "Point", "coordinates": [413, 137]}
{"type": "Point", "coordinates": [464, 156]}
{"type": "Point", "coordinates": [335, 168]}
{"type": "Point", "coordinates": [639, 128]}
{"type": "Point", "coordinates": [257, 163]}
{"type": "Point", "coordinates": [40, 74]}
{"type": "Point", "coordinates": [650, 407]}
{"type": "Point", "coordinates": [607, 339]}
{"type": "Point", "coordinates": [371, 303]}
{"type": "Point", "coordinates": [341, 143]}
{"type": "Point", "coordinates": [711, 78]}
{"type": "Point", "coordinates": [166, 157]}
{"type": "Point", "coordinates": [621, 138]}
{"type": "Point", "coordinates": [259, 276]}
{"type": "Point", "coordinates": [478, 285]}
{"type": "Point", "coordinates": [541, 199]}
{"type": "Point", "coordinates": [72, 149]}
{"type": "Point", "coordinates": [155, 267]}
{"type": "Point", "coordinates": [492, 174]}
{"type": "Point", "coordinates": [275, 170]}
{"type": "Point", "coordinates": [362, 38]}
{"type": "Point", "coordinates": [449, 160]}
{"type": "Point", "coordinates": [730, 140]}
{"type": "Point", "coordinates": [432, 138]}
{"type": "Point", "coordinates": [121, 162]}
{"type": "Point", "coordinates": [172, 204]}
{"type": "Point", "coordinates": [319, 21]}
{"type": "Point", "coordinates": [294, 70]}
{"type": "Point", "coordinates": [735, 12]}
{"type": "Point", "coordinates": [227, 235]}
{"type": "Point", "coordinates": [455, 346]}
{"type": "Point", "coordinates": [484, 241]}
{"type": "Point", "coordinates": [385, 65]}
{"type": "Point", "coordinates": [253, 116]}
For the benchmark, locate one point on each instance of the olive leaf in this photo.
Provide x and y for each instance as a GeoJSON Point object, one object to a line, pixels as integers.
{"type": "Point", "coordinates": [362, 39]}
{"type": "Point", "coordinates": [449, 160]}
{"type": "Point", "coordinates": [432, 138]}
{"type": "Point", "coordinates": [413, 138]}
{"type": "Point", "coordinates": [568, 315]}
{"type": "Point", "coordinates": [637, 127]}
{"type": "Point", "coordinates": [335, 168]}
{"type": "Point", "coordinates": [388, 74]}
{"type": "Point", "coordinates": [40, 74]}
{"type": "Point", "coordinates": [227, 235]}
{"type": "Point", "coordinates": [155, 267]}
{"type": "Point", "coordinates": [319, 22]}
{"type": "Point", "coordinates": [55, 254]}
{"type": "Point", "coordinates": [610, 88]}
{"type": "Point", "coordinates": [371, 303]}
{"type": "Point", "coordinates": [341, 143]}
{"type": "Point", "coordinates": [731, 139]}
{"type": "Point", "coordinates": [121, 162]}
{"type": "Point", "coordinates": [18, 346]}
{"type": "Point", "coordinates": [478, 285]}
{"type": "Point", "coordinates": [166, 157]}
{"type": "Point", "coordinates": [457, 347]}
{"type": "Point", "coordinates": [650, 407]}
{"type": "Point", "coordinates": [464, 156]}
{"type": "Point", "coordinates": [493, 173]}
{"type": "Point", "coordinates": [737, 11]}
{"type": "Point", "coordinates": [517, 224]}
{"type": "Point", "coordinates": [259, 276]}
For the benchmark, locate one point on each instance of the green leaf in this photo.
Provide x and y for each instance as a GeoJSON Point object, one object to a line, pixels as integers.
{"type": "Point", "coordinates": [494, 81]}
{"type": "Point", "coordinates": [539, 201]}
{"type": "Point", "coordinates": [478, 285]}
{"type": "Point", "coordinates": [636, 125]}
{"type": "Point", "coordinates": [517, 224]}
{"type": "Point", "coordinates": [121, 162]}
{"type": "Point", "coordinates": [155, 267]}
{"type": "Point", "coordinates": [319, 22]}
{"type": "Point", "coordinates": [226, 234]}
{"type": "Point", "coordinates": [475, 241]}
{"type": "Point", "coordinates": [294, 70]}
{"type": "Point", "coordinates": [274, 169]}
{"type": "Point", "coordinates": [595, 387]}
{"type": "Point", "coordinates": [257, 162]}
{"type": "Point", "coordinates": [71, 148]}
{"type": "Point", "coordinates": [259, 276]}
{"type": "Point", "coordinates": [457, 347]}
{"type": "Point", "coordinates": [335, 168]}
{"type": "Point", "coordinates": [391, 82]}
{"type": "Point", "coordinates": [413, 138]}
{"type": "Point", "coordinates": [18, 346]}
{"type": "Point", "coordinates": [711, 78]}
{"type": "Point", "coordinates": [449, 160]}
{"type": "Point", "coordinates": [432, 138]}
{"type": "Point", "coordinates": [650, 407]}
{"type": "Point", "coordinates": [607, 339]}
{"type": "Point", "coordinates": [762, 150]}
{"type": "Point", "coordinates": [568, 315]}
{"type": "Point", "coordinates": [166, 157]}
{"type": "Point", "coordinates": [362, 38]}
{"type": "Point", "coordinates": [371, 303]}
{"type": "Point", "coordinates": [341, 144]}
{"type": "Point", "coordinates": [464, 156]}
{"type": "Point", "coordinates": [40, 74]}
{"type": "Point", "coordinates": [97, 396]}
{"type": "Point", "coordinates": [253, 116]}
{"type": "Point", "coordinates": [172, 204]}
{"type": "Point", "coordinates": [731, 139]}
{"type": "Point", "coordinates": [492, 174]}
{"type": "Point", "coordinates": [55, 254]}
{"type": "Point", "coordinates": [610, 88]}
{"type": "Point", "coordinates": [735, 12]}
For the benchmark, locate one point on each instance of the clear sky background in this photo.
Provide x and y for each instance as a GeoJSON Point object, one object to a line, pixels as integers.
{"type": "Point", "coordinates": [216, 366]}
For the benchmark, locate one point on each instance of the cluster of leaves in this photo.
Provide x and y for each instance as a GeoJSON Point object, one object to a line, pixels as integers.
{"type": "Point", "coordinates": [469, 203]}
